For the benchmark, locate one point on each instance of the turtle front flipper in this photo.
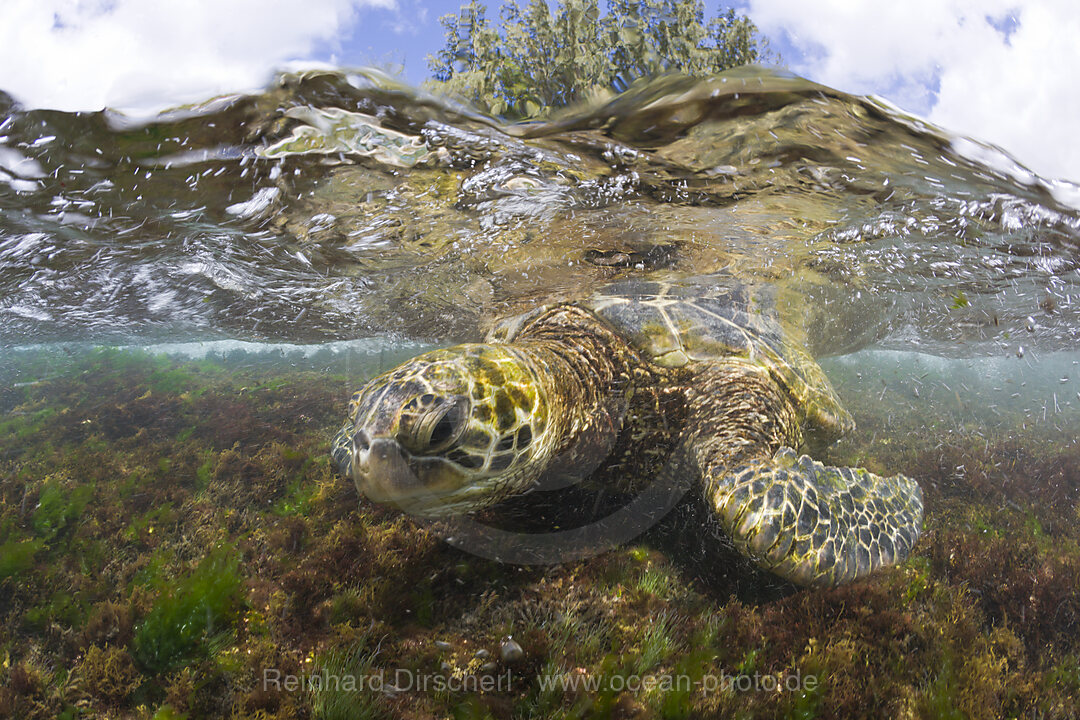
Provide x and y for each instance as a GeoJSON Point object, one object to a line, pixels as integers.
{"type": "Point", "coordinates": [814, 524]}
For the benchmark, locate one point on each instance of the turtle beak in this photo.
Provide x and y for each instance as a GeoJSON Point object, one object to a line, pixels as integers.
{"type": "Point", "coordinates": [384, 472]}
{"type": "Point", "coordinates": [380, 470]}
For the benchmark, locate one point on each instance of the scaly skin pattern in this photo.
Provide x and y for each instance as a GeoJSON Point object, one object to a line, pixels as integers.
{"type": "Point", "coordinates": [818, 525]}
{"type": "Point", "coordinates": [807, 522]}
{"type": "Point", "coordinates": [622, 414]}
{"type": "Point", "coordinates": [553, 403]}
{"type": "Point", "coordinates": [564, 395]}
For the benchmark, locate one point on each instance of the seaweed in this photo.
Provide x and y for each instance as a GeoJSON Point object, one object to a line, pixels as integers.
{"type": "Point", "coordinates": [171, 530]}
{"type": "Point", "coordinates": [199, 606]}
{"type": "Point", "coordinates": [344, 686]}
{"type": "Point", "coordinates": [108, 675]}
{"type": "Point", "coordinates": [17, 556]}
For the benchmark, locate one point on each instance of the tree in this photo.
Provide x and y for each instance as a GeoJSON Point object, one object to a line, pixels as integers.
{"type": "Point", "coordinates": [537, 59]}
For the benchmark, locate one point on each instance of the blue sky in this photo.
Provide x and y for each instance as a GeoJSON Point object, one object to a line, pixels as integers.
{"type": "Point", "coordinates": [401, 35]}
{"type": "Point", "coordinates": [1001, 71]}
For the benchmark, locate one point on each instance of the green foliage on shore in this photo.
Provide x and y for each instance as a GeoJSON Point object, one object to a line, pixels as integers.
{"type": "Point", "coordinates": [536, 58]}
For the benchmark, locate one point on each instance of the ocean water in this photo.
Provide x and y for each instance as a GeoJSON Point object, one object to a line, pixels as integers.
{"type": "Point", "coordinates": [187, 303]}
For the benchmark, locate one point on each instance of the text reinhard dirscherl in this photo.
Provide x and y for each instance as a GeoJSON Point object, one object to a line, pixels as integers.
{"type": "Point", "coordinates": [406, 680]}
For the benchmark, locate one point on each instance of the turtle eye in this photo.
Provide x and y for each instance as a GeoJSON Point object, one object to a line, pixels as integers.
{"type": "Point", "coordinates": [446, 428]}
{"type": "Point", "coordinates": [438, 429]}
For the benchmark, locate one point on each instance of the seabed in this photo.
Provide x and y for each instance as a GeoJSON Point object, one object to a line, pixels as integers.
{"type": "Point", "coordinates": [175, 544]}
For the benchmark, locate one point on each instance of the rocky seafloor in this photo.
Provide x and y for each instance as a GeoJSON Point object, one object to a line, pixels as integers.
{"type": "Point", "coordinates": [172, 534]}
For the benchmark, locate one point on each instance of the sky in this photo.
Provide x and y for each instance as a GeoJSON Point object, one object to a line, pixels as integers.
{"type": "Point", "coordinates": [1000, 71]}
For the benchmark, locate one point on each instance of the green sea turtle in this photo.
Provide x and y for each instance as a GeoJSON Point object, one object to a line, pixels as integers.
{"type": "Point", "coordinates": [694, 377]}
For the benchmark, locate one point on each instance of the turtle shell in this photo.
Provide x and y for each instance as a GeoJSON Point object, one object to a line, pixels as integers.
{"type": "Point", "coordinates": [706, 319]}
{"type": "Point", "coordinates": [677, 324]}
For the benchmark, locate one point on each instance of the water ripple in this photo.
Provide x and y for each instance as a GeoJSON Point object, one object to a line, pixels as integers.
{"type": "Point", "coordinates": [337, 205]}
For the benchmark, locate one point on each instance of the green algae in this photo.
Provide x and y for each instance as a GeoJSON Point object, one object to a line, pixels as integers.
{"type": "Point", "coordinates": [143, 526]}
{"type": "Point", "coordinates": [657, 644]}
{"type": "Point", "coordinates": [333, 700]}
{"type": "Point", "coordinates": [166, 712]}
{"type": "Point", "coordinates": [58, 506]}
{"type": "Point", "coordinates": [18, 556]}
{"type": "Point", "coordinates": [61, 607]}
{"type": "Point", "coordinates": [297, 500]}
{"type": "Point", "coordinates": [189, 611]}
{"type": "Point", "coordinates": [654, 581]}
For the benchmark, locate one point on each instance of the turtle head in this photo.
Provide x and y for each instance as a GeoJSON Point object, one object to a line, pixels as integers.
{"type": "Point", "coordinates": [447, 432]}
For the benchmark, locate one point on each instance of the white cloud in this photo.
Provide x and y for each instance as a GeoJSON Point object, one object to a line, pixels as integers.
{"type": "Point", "coordinates": [1003, 70]}
{"type": "Point", "coordinates": [143, 54]}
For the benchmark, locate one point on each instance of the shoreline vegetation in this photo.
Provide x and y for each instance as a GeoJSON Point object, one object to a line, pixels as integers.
{"type": "Point", "coordinates": [537, 57]}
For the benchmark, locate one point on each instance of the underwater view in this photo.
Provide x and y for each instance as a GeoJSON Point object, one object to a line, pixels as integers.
{"type": "Point", "coordinates": [219, 498]}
